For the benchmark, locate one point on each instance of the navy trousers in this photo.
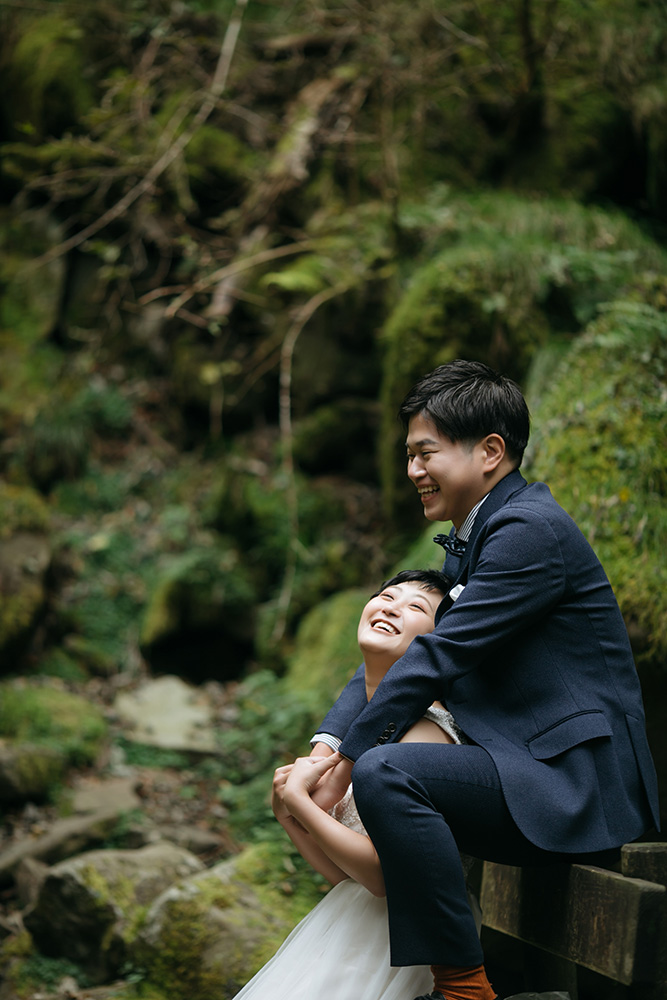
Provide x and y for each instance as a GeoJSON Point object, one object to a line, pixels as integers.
{"type": "Point", "coordinates": [422, 804]}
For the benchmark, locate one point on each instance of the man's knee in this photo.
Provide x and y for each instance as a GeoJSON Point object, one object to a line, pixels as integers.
{"type": "Point", "coordinates": [377, 772]}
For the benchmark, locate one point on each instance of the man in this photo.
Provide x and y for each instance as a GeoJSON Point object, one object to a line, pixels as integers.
{"type": "Point", "coordinates": [531, 656]}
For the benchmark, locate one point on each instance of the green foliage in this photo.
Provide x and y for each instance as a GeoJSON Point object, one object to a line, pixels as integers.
{"type": "Point", "coordinates": [202, 588]}
{"type": "Point", "coordinates": [57, 663]}
{"type": "Point", "coordinates": [50, 716]}
{"type": "Point", "coordinates": [21, 509]}
{"type": "Point", "coordinates": [46, 75]}
{"type": "Point", "coordinates": [273, 724]}
{"type": "Point", "coordinates": [511, 272]}
{"type": "Point", "coordinates": [143, 755]}
{"type": "Point", "coordinates": [58, 442]}
{"type": "Point", "coordinates": [38, 972]}
{"type": "Point", "coordinates": [599, 442]}
{"type": "Point", "coordinates": [56, 447]}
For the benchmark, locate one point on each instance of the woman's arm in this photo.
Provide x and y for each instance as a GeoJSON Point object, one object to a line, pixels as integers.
{"type": "Point", "coordinates": [351, 852]}
{"type": "Point", "coordinates": [299, 836]}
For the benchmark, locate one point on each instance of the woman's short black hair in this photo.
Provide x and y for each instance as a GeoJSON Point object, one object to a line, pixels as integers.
{"type": "Point", "coordinates": [466, 400]}
{"type": "Point", "coordinates": [428, 579]}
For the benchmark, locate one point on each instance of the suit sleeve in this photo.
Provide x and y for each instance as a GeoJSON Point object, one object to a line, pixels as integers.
{"type": "Point", "coordinates": [518, 578]}
{"type": "Point", "coordinates": [350, 703]}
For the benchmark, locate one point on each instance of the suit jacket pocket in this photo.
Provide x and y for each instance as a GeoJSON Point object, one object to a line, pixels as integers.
{"type": "Point", "coordinates": [568, 733]}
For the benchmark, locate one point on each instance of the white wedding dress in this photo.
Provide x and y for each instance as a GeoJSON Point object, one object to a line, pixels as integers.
{"type": "Point", "coordinates": [340, 950]}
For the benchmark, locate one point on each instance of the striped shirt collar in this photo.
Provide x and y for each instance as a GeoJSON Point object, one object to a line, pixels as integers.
{"type": "Point", "coordinates": [464, 532]}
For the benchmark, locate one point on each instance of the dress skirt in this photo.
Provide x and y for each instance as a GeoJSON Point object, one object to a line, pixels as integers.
{"type": "Point", "coordinates": [339, 951]}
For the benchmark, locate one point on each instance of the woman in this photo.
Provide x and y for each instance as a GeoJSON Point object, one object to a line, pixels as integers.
{"type": "Point", "coordinates": [340, 950]}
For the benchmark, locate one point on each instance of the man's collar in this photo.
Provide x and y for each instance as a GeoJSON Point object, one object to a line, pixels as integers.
{"type": "Point", "coordinates": [464, 532]}
{"type": "Point", "coordinates": [494, 500]}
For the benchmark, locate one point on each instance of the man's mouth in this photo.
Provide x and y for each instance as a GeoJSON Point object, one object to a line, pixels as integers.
{"type": "Point", "coordinates": [384, 626]}
{"type": "Point", "coordinates": [427, 490]}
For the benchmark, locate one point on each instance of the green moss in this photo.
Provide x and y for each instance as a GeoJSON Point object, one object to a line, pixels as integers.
{"type": "Point", "coordinates": [185, 959]}
{"type": "Point", "coordinates": [200, 589]}
{"type": "Point", "coordinates": [213, 155]}
{"type": "Point", "coordinates": [51, 89]}
{"type": "Point", "coordinates": [21, 509]}
{"type": "Point", "coordinates": [52, 717]}
{"type": "Point", "coordinates": [598, 440]}
{"type": "Point", "coordinates": [512, 273]}
{"type": "Point", "coordinates": [19, 610]}
{"type": "Point", "coordinates": [326, 652]}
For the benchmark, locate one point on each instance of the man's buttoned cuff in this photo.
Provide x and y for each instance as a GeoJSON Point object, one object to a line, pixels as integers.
{"type": "Point", "coordinates": [331, 741]}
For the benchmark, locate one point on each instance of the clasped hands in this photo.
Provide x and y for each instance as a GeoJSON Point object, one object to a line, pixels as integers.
{"type": "Point", "coordinates": [322, 779]}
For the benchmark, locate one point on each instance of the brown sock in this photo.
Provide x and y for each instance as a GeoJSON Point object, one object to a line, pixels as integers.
{"type": "Point", "coordinates": [457, 982]}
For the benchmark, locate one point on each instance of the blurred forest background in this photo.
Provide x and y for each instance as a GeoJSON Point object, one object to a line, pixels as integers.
{"type": "Point", "coordinates": [232, 234]}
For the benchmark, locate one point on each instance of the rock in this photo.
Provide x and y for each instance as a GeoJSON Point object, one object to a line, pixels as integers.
{"type": "Point", "coordinates": [24, 560]}
{"type": "Point", "coordinates": [192, 838]}
{"type": "Point", "coordinates": [168, 713]}
{"type": "Point", "coordinates": [89, 906]}
{"type": "Point", "coordinates": [29, 876]}
{"type": "Point", "coordinates": [100, 807]}
{"type": "Point", "coordinates": [204, 937]}
{"type": "Point", "coordinates": [27, 771]}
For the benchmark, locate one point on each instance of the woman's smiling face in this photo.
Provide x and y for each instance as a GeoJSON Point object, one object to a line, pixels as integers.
{"type": "Point", "coordinates": [392, 619]}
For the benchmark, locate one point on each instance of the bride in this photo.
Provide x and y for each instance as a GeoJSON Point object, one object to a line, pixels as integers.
{"type": "Point", "coordinates": [340, 950]}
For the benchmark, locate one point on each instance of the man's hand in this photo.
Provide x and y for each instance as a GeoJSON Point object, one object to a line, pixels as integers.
{"type": "Point", "coordinates": [333, 784]}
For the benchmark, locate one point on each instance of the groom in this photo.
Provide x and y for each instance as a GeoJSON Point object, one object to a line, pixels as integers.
{"type": "Point", "coordinates": [531, 656]}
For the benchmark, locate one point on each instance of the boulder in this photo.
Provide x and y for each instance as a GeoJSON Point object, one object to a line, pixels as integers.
{"type": "Point", "coordinates": [24, 561]}
{"type": "Point", "coordinates": [28, 772]}
{"type": "Point", "coordinates": [168, 713]}
{"type": "Point", "coordinates": [88, 908]}
{"type": "Point", "coordinates": [204, 937]}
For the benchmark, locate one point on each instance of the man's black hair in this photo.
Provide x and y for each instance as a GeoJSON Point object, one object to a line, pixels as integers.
{"type": "Point", "coordinates": [428, 579]}
{"type": "Point", "coordinates": [466, 400]}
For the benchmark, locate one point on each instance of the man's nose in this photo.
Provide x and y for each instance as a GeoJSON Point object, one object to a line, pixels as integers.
{"type": "Point", "coordinates": [416, 469]}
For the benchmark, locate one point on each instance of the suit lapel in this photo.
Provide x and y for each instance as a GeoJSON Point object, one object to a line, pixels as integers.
{"type": "Point", "coordinates": [498, 496]}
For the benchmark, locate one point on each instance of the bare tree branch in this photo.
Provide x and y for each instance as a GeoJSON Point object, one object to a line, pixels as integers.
{"type": "Point", "coordinates": [174, 150]}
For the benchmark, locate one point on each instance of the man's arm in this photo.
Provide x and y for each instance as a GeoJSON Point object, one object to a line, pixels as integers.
{"type": "Point", "coordinates": [349, 704]}
{"type": "Point", "coordinates": [518, 578]}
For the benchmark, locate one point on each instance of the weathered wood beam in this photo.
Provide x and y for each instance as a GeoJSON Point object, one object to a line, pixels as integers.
{"type": "Point", "coordinates": [599, 919]}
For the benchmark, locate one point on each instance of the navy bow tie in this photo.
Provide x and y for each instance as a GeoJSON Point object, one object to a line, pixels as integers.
{"type": "Point", "coordinates": [454, 549]}
{"type": "Point", "coordinates": [452, 543]}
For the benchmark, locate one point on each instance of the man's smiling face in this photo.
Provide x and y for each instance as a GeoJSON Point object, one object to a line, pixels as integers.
{"type": "Point", "coordinates": [449, 475]}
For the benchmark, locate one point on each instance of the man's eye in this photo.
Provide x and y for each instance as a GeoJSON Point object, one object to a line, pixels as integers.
{"type": "Point", "coordinates": [418, 607]}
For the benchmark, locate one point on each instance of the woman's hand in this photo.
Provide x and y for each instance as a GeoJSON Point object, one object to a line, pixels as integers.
{"type": "Point", "coordinates": [280, 776]}
{"type": "Point", "coordinates": [333, 785]}
{"type": "Point", "coordinates": [303, 777]}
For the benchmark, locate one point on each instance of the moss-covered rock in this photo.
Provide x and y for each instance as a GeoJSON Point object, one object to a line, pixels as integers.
{"type": "Point", "coordinates": [90, 908]}
{"type": "Point", "coordinates": [47, 715]}
{"type": "Point", "coordinates": [29, 773]}
{"type": "Point", "coordinates": [598, 440]}
{"type": "Point", "coordinates": [205, 937]}
{"type": "Point", "coordinates": [326, 652]}
{"type": "Point", "coordinates": [513, 273]}
{"type": "Point", "coordinates": [24, 561]}
{"type": "Point", "coordinates": [30, 299]}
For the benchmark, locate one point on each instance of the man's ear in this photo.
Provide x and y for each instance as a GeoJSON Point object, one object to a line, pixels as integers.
{"type": "Point", "coordinates": [494, 451]}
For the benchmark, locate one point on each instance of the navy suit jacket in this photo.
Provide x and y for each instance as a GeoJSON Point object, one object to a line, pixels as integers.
{"type": "Point", "coordinates": [534, 662]}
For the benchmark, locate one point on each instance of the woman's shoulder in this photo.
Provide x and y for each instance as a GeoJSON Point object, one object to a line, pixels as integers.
{"type": "Point", "coordinates": [436, 726]}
